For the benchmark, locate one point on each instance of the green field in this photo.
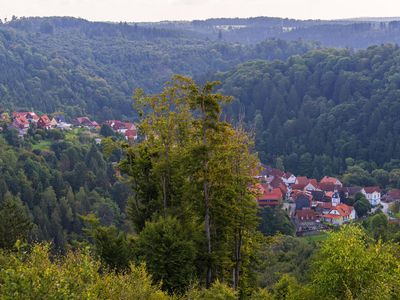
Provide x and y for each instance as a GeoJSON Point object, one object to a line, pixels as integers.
{"type": "Point", "coordinates": [318, 237]}
{"type": "Point", "coordinates": [43, 145]}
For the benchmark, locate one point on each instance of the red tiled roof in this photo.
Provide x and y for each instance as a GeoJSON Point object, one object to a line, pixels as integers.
{"type": "Point", "coordinates": [298, 187]}
{"type": "Point", "coordinates": [332, 216]}
{"type": "Point", "coordinates": [302, 180]}
{"type": "Point", "coordinates": [45, 119]}
{"type": "Point", "coordinates": [328, 179]}
{"type": "Point", "coordinates": [372, 189]}
{"type": "Point", "coordinates": [314, 182]}
{"type": "Point", "coordinates": [344, 210]}
{"type": "Point", "coordinates": [306, 214]}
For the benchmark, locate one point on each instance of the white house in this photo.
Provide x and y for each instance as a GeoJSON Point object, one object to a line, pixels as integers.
{"type": "Point", "coordinates": [289, 179]}
{"type": "Point", "coordinates": [373, 195]}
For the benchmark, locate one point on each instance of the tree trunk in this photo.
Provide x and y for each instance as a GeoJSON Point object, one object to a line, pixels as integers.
{"type": "Point", "coordinates": [238, 258]}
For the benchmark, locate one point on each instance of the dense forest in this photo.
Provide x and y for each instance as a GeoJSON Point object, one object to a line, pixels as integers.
{"type": "Point", "coordinates": [192, 229]}
{"type": "Point", "coordinates": [350, 33]}
{"type": "Point", "coordinates": [51, 180]}
{"type": "Point", "coordinates": [324, 111]}
{"type": "Point", "coordinates": [80, 67]}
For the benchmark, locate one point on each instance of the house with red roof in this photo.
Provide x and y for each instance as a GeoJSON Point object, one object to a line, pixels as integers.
{"type": "Point", "coordinates": [373, 195]}
{"type": "Point", "coordinates": [130, 135]}
{"type": "Point", "coordinates": [391, 196]}
{"type": "Point", "coordinates": [312, 185]}
{"type": "Point", "coordinates": [86, 122]}
{"type": "Point", "coordinates": [331, 180]}
{"type": "Point", "coordinates": [306, 220]}
{"type": "Point", "coordinates": [268, 196]}
{"type": "Point", "coordinates": [44, 122]}
{"type": "Point", "coordinates": [120, 127]}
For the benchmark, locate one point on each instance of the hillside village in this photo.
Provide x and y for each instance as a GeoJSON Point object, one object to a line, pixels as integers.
{"type": "Point", "coordinates": [315, 205]}
{"type": "Point", "coordinates": [311, 204]}
{"type": "Point", "coordinates": [22, 121]}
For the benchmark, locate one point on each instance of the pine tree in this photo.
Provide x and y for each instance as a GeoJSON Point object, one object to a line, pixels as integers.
{"type": "Point", "coordinates": [15, 223]}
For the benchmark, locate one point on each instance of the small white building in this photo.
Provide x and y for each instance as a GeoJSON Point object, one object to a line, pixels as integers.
{"type": "Point", "coordinates": [289, 179]}
{"type": "Point", "coordinates": [373, 195]}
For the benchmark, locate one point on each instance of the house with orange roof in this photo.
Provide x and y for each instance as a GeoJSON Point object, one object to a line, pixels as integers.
{"type": "Point", "coordinates": [331, 180]}
{"type": "Point", "coordinates": [268, 196]}
{"type": "Point", "coordinates": [340, 214]}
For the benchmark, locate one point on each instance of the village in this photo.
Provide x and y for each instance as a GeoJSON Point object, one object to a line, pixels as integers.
{"type": "Point", "coordinates": [317, 205]}
{"type": "Point", "coordinates": [22, 121]}
{"type": "Point", "coordinates": [312, 205]}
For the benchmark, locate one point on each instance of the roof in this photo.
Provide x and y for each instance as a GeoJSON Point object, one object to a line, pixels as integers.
{"type": "Point", "coordinates": [352, 190]}
{"type": "Point", "coordinates": [344, 210]}
{"type": "Point", "coordinates": [318, 195]}
{"type": "Point", "coordinates": [372, 189]}
{"type": "Point", "coordinates": [44, 120]}
{"type": "Point", "coordinates": [326, 186]}
{"type": "Point", "coordinates": [287, 175]}
{"type": "Point", "coordinates": [303, 180]}
{"type": "Point", "coordinates": [392, 195]}
{"type": "Point", "coordinates": [328, 179]}
{"type": "Point", "coordinates": [299, 187]}
{"type": "Point", "coordinates": [266, 192]}
{"type": "Point", "coordinates": [306, 214]}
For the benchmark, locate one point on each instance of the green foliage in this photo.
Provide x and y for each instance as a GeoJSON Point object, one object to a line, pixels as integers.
{"type": "Point", "coordinates": [193, 167]}
{"type": "Point", "coordinates": [57, 181]}
{"type": "Point", "coordinates": [15, 223]}
{"type": "Point", "coordinates": [90, 68]}
{"type": "Point", "coordinates": [275, 220]}
{"type": "Point", "coordinates": [76, 276]}
{"type": "Point", "coordinates": [349, 265]}
{"type": "Point", "coordinates": [169, 253]}
{"type": "Point", "coordinates": [112, 246]}
{"type": "Point", "coordinates": [321, 108]}
{"type": "Point", "coordinates": [377, 226]}
{"type": "Point", "coordinates": [283, 255]}
{"type": "Point", "coordinates": [218, 291]}
{"type": "Point", "coordinates": [361, 205]}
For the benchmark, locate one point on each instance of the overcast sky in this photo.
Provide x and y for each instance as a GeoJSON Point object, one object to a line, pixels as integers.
{"type": "Point", "coordinates": [156, 10]}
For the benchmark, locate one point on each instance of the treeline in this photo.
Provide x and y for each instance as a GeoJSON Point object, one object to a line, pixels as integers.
{"type": "Point", "coordinates": [48, 181]}
{"type": "Point", "coordinates": [322, 112]}
{"type": "Point", "coordinates": [86, 68]}
{"type": "Point", "coordinates": [357, 34]}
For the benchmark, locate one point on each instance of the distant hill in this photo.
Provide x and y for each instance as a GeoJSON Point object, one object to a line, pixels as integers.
{"type": "Point", "coordinates": [352, 33]}
{"type": "Point", "coordinates": [315, 110]}
{"type": "Point", "coordinates": [83, 67]}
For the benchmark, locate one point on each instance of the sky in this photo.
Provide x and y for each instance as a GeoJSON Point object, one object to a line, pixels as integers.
{"type": "Point", "coordinates": [158, 10]}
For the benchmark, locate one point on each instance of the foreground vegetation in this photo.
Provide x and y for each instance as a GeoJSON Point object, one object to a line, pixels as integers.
{"type": "Point", "coordinates": [348, 265]}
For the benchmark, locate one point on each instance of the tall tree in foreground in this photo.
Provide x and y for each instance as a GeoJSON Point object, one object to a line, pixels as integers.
{"type": "Point", "coordinates": [194, 167]}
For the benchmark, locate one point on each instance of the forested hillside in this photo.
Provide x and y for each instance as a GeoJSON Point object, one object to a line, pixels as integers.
{"type": "Point", "coordinates": [314, 111]}
{"type": "Point", "coordinates": [81, 67]}
{"type": "Point", "coordinates": [49, 180]}
{"type": "Point", "coordinates": [356, 33]}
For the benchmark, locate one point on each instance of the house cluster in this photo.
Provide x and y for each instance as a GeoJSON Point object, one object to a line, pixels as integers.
{"type": "Point", "coordinates": [21, 121]}
{"type": "Point", "coordinates": [312, 203]}
{"type": "Point", "coordinates": [128, 130]}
